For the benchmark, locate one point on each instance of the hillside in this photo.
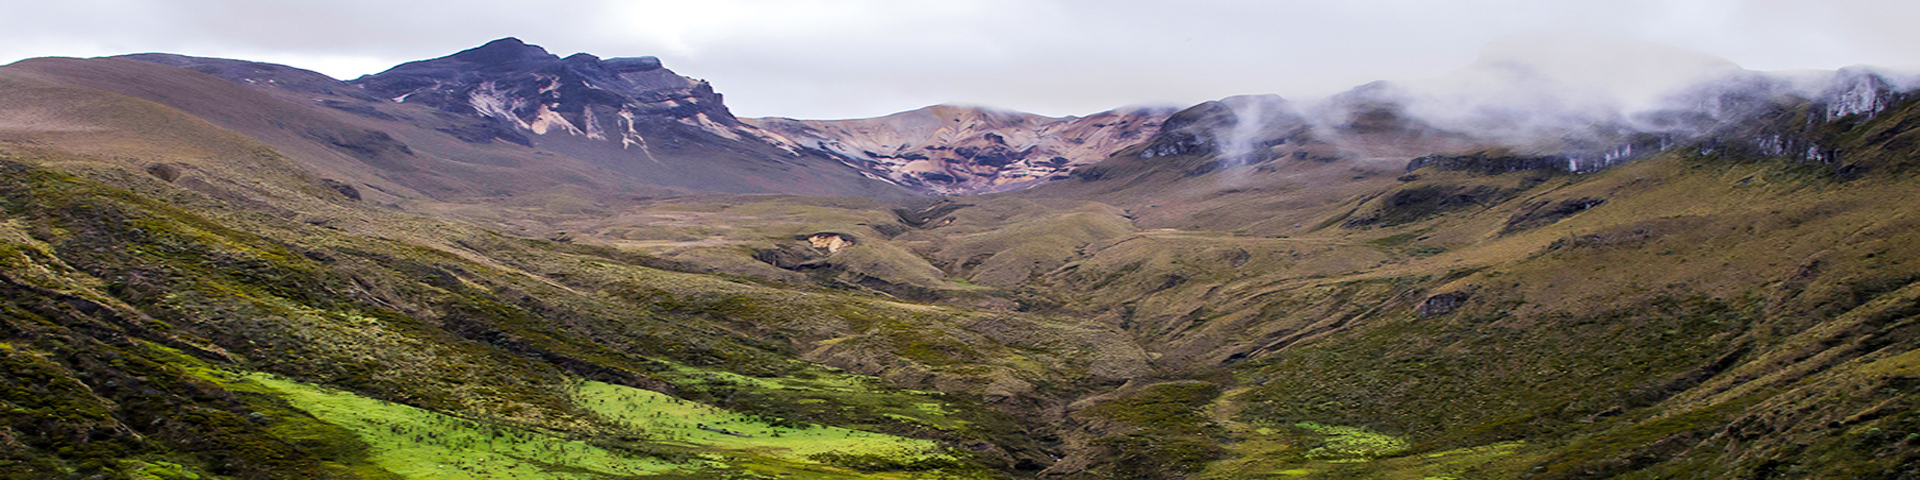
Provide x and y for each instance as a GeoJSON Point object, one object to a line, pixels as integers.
{"type": "Point", "coordinates": [209, 274]}
{"type": "Point", "coordinates": [232, 324]}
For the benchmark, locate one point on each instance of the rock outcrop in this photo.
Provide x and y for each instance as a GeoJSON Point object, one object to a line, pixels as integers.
{"type": "Point", "coordinates": [535, 91]}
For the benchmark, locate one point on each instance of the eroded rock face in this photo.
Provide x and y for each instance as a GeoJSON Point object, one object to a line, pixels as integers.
{"type": "Point", "coordinates": [1858, 92]}
{"type": "Point", "coordinates": [950, 149]}
{"type": "Point", "coordinates": [833, 242]}
{"type": "Point", "coordinates": [524, 86]}
{"type": "Point", "coordinates": [1441, 304]}
{"type": "Point", "coordinates": [811, 253]}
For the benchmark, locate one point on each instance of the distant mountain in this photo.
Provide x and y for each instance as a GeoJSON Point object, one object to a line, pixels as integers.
{"type": "Point", "coordinates": [629, 126]}
{"type": "Point", "coordinates": [952, 149]}
{"type": "Point", "coordinates": [617, 127]}
{"type": "Point", "coordinates": [536, 92]}
{"type": "Point", "coordinates": [647, 125]}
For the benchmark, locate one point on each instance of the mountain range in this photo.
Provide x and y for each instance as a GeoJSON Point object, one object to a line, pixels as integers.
{"type": "Point", "coordinates": [504, 263]}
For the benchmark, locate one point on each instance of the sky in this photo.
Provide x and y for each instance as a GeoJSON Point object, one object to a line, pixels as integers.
{"type": "Point", "coordinates": [863, 58]}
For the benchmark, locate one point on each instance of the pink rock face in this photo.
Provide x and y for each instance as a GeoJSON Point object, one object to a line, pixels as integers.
{"type": "Point", "coordinates": [955, 150]}
{"type": "Point", "coordinates": [831, 241]}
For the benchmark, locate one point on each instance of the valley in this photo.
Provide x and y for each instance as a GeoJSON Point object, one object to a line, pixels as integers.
{"type": "Point", "coordinates": [508, 264]}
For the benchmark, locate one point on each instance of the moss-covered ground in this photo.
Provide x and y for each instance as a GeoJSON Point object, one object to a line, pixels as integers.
{"type": "Point", "coordinates": [663, 418]}
{"type": "Point", "coordinates": [420, 444]}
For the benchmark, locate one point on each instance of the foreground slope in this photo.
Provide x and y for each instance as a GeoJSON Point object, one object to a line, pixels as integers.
{"type": "Point", "coordinates": [186, 301]}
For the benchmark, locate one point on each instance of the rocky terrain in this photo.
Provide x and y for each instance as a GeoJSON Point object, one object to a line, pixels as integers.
{"type": "Point", "coordinates": [952, 150]}
{"type": "Point", "coordinates": [506, 264]}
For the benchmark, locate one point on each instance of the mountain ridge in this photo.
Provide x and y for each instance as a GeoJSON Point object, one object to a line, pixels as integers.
{"type": "Point", "coordinates": [952, 149]}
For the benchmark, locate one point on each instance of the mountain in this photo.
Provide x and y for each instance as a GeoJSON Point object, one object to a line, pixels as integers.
{"type": "Point", "coordinates": [226, 269]}
{"type": "Point", "coordinates": [951, 150]}
{"type": "Point", "coordinates": [580, 128]}
{"type": "Point", "coordinates": [643, 127]}
{"type": "Point", "coordinates": [602, 111]}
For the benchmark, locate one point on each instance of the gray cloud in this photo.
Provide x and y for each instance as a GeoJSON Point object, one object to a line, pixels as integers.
{"type": "Point", "coordinates": [848, 58]}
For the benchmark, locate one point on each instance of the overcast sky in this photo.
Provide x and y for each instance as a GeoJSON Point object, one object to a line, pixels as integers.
{"type": "Point", "coordinates": [859, 58]}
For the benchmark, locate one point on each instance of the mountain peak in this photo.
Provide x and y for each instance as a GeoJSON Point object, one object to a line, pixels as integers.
{"type": "Point", "coordinates": [505, 50]}
{"type": "Point", "coordinates": [529, 88]}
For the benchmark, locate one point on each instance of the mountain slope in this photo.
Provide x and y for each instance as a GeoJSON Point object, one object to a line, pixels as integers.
{"type": "Point", "coordinates": [1639, 322]}
{"type": "Point", "coordinates": [1714, 307]}
{"type": "Point", "coordinates": [202, 276]}
{"type": "Point", "coordinates": [627, 115]}
{"type": "Point", "coordinates": [488, 110]}
{"type": "Point", "coordinates": [195, 261]}
{"type": "Point", "coordinates": [970, 150]}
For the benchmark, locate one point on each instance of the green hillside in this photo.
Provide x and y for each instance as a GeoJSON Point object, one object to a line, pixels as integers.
{"type": "Point", "coordinates": [183, 299]}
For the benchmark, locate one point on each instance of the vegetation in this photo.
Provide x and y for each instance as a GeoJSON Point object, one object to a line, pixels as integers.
{"type": "Point", "coordinates": [425, 332]}
{"type": "Point", "coordinates": [1169, 431]}
{"type": "Point", "coordinates": [664, 418]}
{"type": "Point", "coordinates": [181, 301]}
{"type": "Point", "coordinates": [415, 443]}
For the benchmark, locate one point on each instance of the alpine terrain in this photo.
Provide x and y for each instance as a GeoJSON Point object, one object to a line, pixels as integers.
{"type": "Point", "coordinates": [508, 264]}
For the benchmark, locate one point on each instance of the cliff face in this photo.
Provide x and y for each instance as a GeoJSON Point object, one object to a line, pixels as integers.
{"type": "Point", "coordinates": [950, 149]}
{"type": "Point", "coordinates": [535, 91]}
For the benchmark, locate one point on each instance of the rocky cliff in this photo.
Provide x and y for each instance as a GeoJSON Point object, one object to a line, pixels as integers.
{"type": "Point", "coordinates": [950, 149]}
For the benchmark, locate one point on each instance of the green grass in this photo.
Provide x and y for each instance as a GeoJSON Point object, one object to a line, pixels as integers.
{"type": "Point", "coordinates": [1351, 443]}
{"type": "Point", "coordinates": [660, 435]}
{"type": "Point", "coordinates": [138, 470]}
{"type": "Point", "coordinates": [1173, 431]}
{"type": "Point", "coordinates": [420, 444]}
{"type": "Point", "coordinates": [663, 418]}
{"type": "Point", "coordinates": [1169, 407]}
{"type": "Point", "coordinates": [827, 396]}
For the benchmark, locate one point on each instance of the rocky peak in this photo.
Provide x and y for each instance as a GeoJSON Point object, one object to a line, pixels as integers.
{"type": "Point", "coordinates": [1754, 113]}
{"type": "Point", "coordinates": [1242, 128]}
{"type": "Point", "coordinates": [503, 52]}
{"type": "Point", "coordinates": [1857, 91]}
{"type": "Point", "coordinates": [528, 89]}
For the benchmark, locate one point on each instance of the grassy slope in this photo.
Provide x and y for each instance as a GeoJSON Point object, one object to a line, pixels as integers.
{"type": "Point", "coordinates": [1625, 338]}
{"type": "Point", "coordinates": [415, 443]}
{"type": "Point", "coordinates": [433, 315]}
{"type": "Point", "coordinates": [1719, 316]}
{"type": "Point", "coordinates": [434, 333]}
{"type": "Point", "coordinates": [670, 419]}
{"type": "Point", "coordinates": [1705, 301]}
{"type": "Point", "coordinates": [1709, 299]}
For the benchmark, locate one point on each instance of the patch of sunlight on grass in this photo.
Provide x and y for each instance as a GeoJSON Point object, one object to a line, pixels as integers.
{"type": "Point", "coordinates": [421, 444]}
{"type": "Point", "coordinates": [664, 418]}
{"type": "Point", "coordinates": [920, 406]}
